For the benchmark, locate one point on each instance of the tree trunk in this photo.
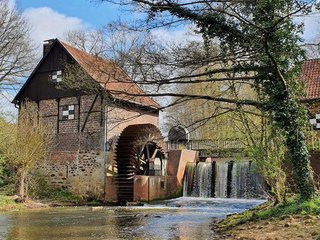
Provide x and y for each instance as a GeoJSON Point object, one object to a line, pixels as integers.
{"type": "Point", "coordinates": [299, 157]}
{"type": "Point", "coordinates": [21, 189]}
{"type": "Point", "coordinates": [288, 118]}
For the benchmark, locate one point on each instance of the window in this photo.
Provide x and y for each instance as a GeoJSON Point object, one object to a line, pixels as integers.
{"type": "Point", "coordinates": [315, 121]}
{"type": "Point", "coordinates": [68, 112]}
{"type": "Point", "coordinates": [162, 184]}
{"type": "Point", "coordinates": [56, 76]}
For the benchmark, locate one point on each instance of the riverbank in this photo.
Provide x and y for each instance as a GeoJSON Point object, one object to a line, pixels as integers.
{"type": "Point", "coordinates": [293, 220]}
{"type": "Point", "coordinates": [10, 203]}
{"type": "Point", "coordinates": [291, 227]}
{"type": "Point", "coordinates": [7, 203]}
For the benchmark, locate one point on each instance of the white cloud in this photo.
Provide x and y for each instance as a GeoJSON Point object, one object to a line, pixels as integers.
{"type": "Point", "coordinates": [311, 27]}
{"type": "Point", "coordinates": [11, 3]}
{"type": "Point", "coordinates": [47, 23]}
{"type": "Point", "coordinates": [182, 35]}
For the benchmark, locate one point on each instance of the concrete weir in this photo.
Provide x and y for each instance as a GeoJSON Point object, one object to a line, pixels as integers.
{"type": "Point", "coordinates": [223, 179]}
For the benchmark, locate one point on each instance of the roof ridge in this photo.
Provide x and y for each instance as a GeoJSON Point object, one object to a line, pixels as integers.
{"type": "Point", "coordinates": [110, 76]}
{"type": "Point", "coordinates": [312, 59]}
{"type": "Point", "coordinates": [84, 52]}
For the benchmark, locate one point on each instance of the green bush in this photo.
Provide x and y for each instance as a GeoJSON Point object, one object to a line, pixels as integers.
{"type": "Point", "coordinates": [7, 178]}
{"type": "Point", "coordinates": [1, 170]}
{"type": "Point", "coordinates": [39, 189]}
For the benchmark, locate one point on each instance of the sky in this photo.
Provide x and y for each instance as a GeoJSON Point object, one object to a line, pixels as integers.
{"type": "Point", "coordinates": [91, 12]}
{"type": "Point", "coordinates": [53, 18]}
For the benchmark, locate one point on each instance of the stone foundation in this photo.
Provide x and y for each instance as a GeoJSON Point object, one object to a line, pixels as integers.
{"type": "Point", "coordinates": [77, 172]}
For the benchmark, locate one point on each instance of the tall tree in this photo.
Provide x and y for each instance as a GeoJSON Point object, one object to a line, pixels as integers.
{"type": "Point", "coordinates": [117, 43]}
{"type": "Point", "coordinates": [25, 144]}
{"type": "Point", "coordinates": [258, 44]}
{"type": "Point", "coordinates": [16, 50]}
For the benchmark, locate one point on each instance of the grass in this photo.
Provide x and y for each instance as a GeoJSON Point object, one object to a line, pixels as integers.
{"type": "Point", "coordinates": [7, 203]}
{"type": "Point", "coordinates": [268, 211]}
{"type": "Point", "coordinates": [58, 195]}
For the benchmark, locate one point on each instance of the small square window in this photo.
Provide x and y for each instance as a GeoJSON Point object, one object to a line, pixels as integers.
{"type": "Point", "coordinates": [56, 76]}
{"type": "Point", "coordinates": [68, 112]}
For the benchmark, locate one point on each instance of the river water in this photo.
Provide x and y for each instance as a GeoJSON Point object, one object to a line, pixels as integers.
{"type": "Point", "coordinates": [182, 218]}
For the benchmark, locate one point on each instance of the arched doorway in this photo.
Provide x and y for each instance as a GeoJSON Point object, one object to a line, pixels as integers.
{"type": "Point", "coordinates": [178, 136]}
{"type": "Point", "coordinates": [138, 152]}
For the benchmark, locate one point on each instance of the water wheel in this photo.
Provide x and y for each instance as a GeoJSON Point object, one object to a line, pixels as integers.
{"type": "Point", "coordinates": [137, 147]}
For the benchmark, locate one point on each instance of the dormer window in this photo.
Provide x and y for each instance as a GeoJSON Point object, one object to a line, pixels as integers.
{"type": "Point", "coordinates": [56, 76]}
{"type": "Point", "coordinates": [68, 112]}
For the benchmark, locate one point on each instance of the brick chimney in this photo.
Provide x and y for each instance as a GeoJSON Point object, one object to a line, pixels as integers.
{"type": "Point", "coordinates": [47, 45]}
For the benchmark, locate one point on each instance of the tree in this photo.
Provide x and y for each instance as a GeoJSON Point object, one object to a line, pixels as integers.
{"type": "Point", "coordinates": [16, 50]}
{"type": "Point", "coordinates": [117, 43]}
{"type": "Point", "coordinates": [3, 125]}
{"type": "Point", "coordinates": [258, 45]}
{"type": "Point", "coordinates": [26, 144]}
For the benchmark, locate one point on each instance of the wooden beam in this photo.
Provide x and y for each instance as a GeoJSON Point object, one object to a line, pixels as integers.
{"type": "Point", "coordinates": [88, 113]}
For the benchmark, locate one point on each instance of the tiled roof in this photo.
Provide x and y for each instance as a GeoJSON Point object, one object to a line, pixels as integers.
{"type": "Point", "coordinates": [111, 77]}
{"type": "Point", "coordinates": [311, 76]}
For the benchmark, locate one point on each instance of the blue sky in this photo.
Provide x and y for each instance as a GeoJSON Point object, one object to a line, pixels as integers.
{"type": "Point", "coordinates": [54, 18]}
{"type": "Point", "coordinates": [92, 12]}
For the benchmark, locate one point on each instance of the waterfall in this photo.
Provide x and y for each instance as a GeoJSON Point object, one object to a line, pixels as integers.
{"type": "Point", "coordinates": [188, 179]}
{"type": "Point", "coordinates": [233, 179]}
{"type": "Point", "coordinates": [221, 179]}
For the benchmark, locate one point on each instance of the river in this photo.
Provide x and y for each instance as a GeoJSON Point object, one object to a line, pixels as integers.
{"type": "Point", "coordinates": [182, 218]}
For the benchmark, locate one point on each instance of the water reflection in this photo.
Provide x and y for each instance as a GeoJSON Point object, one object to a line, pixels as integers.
{"type": "Point", "coordinates": [184, 218]}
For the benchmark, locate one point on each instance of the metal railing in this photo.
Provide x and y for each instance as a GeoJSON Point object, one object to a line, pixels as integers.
{"type": "Point", "coordinates": [206, 145]}
{"type": "Point", "coordinates": [221, 145]}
